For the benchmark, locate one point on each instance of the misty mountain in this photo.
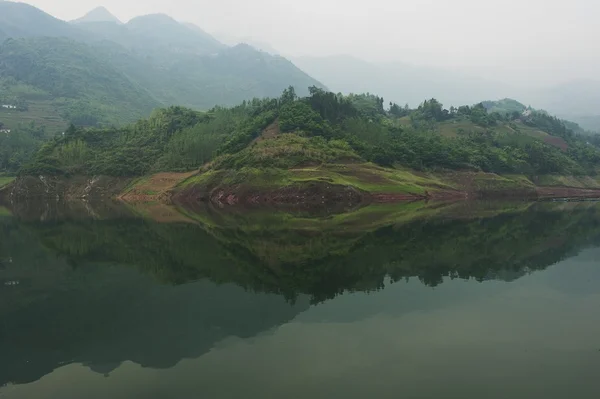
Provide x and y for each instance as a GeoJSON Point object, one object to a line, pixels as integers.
{"type": "Point", "coordinates": [99, 14]}
{"type": "Point", "coordinates": [403, 83]}
{"type": "Point", "coordinates": [233, 75]}
{"type": "Point", "coordinates": [578, 101]}
{"type": "Point", "coordinates": [153, 60]}
{"type": "Point", "coordinates": [399, 82]}
{"type": "Point", "coordinates": [82, 86]}
{"type": "Point", "coordinates": [162, 31]}
{"type": "Point", "coordinates": [23, 20]}
{"type": "Point", "coordinates": [158, 36]}
{"type": "Point", "coordinates": [232, 40]}
{"type": "Point", "coordinates": [199, 31]}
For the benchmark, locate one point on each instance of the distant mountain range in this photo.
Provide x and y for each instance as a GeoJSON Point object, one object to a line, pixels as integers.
{"type": "Point", "coordinates": [180, 63]}
{"type": "Point", "coordinates": [98, 14]}
{"type": "Point", "coordinates": [103, 71]}
{"type": "Point", "coordinates": [400, 82]}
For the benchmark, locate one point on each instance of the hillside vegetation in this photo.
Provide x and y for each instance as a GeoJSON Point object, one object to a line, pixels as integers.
{"type": "Point", "coordinates": [116, 73]}
{"type": "Point", "coordinates": [87, 275]}
{"type": "Point", "coordinates": [84, 88]}
{"type": "Point", "coordinates": [97, 72]}
{"type": "Point", "coordinates": [328, 137]}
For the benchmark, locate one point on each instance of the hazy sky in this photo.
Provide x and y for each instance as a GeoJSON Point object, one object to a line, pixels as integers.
{"type": "Point", "coordinates": [519, 40]}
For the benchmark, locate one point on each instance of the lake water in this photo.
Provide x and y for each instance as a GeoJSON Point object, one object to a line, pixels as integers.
{"type": "Point", "coordinates": [404, 301]}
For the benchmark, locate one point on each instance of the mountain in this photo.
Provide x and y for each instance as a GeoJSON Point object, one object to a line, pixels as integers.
{"type": "Point", "coordinates": [70, 77]}
{"type": "Point", "coordinates": [98, 14]}
{"type": "Point", "coordinates": [399, 82]}
{"type": "Point", "coordinates": [588, 122]}
{"type": "Point", "coordinates": [232, 40]}
{"type": "Point", "coordinates": [577, 100]}
{"type": "Point", "coordinates": [342, 149]}
{"type": "Point", "coordinates": [163, 32]}
{"type": "Point", "coordinates": [23, 20]}
{"type": "Point", "coordinates": [153, 58]}
{"type": "Point", "coordinates": [402, 83]}
{"type": "Point", "coordinates": [226, 78]}
{"type": "Point", "coordinates": [199, 31]}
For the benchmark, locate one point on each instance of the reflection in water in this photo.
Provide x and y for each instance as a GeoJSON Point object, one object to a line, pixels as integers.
{"type": "Point", "coordinates": [98, 302]}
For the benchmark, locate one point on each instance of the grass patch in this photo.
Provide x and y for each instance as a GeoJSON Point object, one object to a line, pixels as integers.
{"type": "Point", "coordinates": [4, 211]}
{"type": "Point", "coordinates": [364, 176]}
{"type": "Point", "coordinates": [288, 151]}
{"type": "Point", "coordinates": [454, 127]}
{"type": "Point", "coordinates": [42, 113]}
{"type": "Point", "coordinates": [569, 181]}
{"type": "Point", "coordinates": [6, 180]}
{"type": "Point", "coordinates": [371, 178]}
{"type": "Point", "coordinates": [492, 182]}
{"type": "Point", "coordinates": [134, 183]}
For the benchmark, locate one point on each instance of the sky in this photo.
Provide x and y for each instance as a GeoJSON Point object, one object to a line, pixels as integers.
{"type": "Point", "coordinates": [521, 41]}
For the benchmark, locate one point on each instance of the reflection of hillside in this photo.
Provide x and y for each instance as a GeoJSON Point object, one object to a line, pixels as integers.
{"type": "Point", "coordinates": [87, 304]}
{"type": "Point", "coordinates": [102, 315]}
{"type": "Point", "coordinates": [280, 253]}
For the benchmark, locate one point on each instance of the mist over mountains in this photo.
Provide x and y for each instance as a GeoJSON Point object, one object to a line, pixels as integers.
{"type": "Point", "coordinates": [181, 63]}
{"type": "Point", "coordinates": [158, 60]}
{"type": "Point", "coordinates": [404, 83]}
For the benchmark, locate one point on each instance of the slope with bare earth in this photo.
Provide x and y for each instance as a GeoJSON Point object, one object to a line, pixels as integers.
{"type": "Point", "coordinates": [153, 187]}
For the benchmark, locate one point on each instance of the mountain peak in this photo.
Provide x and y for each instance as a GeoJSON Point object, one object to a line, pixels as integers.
{"type": "Point", "coordinates": [98, 14]}
{"type": "Point", "coordinates": [153, 19]}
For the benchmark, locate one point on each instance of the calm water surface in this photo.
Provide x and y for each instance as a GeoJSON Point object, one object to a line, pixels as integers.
{"type": "Point", "coordinates": [464, 302]}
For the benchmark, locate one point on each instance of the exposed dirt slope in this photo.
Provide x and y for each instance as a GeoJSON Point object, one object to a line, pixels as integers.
{"type": "Point", "coordinates": [154, 187]}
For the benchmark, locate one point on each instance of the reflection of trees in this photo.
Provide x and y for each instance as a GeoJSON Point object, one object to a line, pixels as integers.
{"type": "Point", "coordinates": [321, 264]}
{"type": "Point", "coordinates": [103, 314]}
{"type": "Point", "coordinates": [90, 284]}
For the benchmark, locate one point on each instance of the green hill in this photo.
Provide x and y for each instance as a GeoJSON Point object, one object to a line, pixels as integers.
{"type": "Point", "coordinates": [175, 63]}
{"type": "Point", "coordinates": [81, 86]}
{"type": "Point", "coordinates": [326, 139]}
{"type": "Point", "coordinates": [112, 74]}
{"type": "Point", "coordinates": [504, 106]}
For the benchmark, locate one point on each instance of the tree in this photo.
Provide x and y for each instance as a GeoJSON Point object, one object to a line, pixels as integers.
{"type": "Point", "coordinates": [288, 96]}
{"type": "Point", "coordinates": [398, 111]}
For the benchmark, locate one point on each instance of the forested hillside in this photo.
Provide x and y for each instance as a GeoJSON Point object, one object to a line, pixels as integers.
{"type": "Point", "coordinates": [114, 73]}
{"type": "Point", "coordinates": [262, 137]}
{"type": "Point", "coordinates": [83, 87]}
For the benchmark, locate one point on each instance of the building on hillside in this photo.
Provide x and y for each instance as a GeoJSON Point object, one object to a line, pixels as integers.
{"type": "Point", "coordinates": [8, 106]}
{"type": "Point", "coordinates": [6, 131]}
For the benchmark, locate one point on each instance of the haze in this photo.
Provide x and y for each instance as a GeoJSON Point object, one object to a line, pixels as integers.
{"type": "Point", "coordinates": [533, 42]}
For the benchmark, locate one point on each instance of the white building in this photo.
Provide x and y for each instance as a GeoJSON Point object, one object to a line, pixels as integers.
{"type": "Point", "coordinates": [8, 106]}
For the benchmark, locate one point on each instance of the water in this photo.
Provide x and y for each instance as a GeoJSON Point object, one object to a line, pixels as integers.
{"type": "Point", "coordinates": [415, 301]}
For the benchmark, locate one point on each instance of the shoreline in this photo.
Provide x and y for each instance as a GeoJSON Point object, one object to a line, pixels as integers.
{"type": "Point", "coordinates": [189, 187]}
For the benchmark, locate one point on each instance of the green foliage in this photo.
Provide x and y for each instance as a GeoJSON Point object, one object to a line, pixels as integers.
{"type": "Point", "coordinates": [314, 258]}
{"type": "Point", "coordinates": [86, 89]}
{"type": "Point", "coordinates": [506, 106]}
{"type": "Point", "coordinates": [287, 151]}
{"type": "Point", "coordinates": [327, 128]}
{"type": "Point", "coordinates": [18, 146]}
{"type": "Point", "coordinates": [5, 180]}
{"type": "Point", "coordinates": [332, 107]}
{"type": "Point", "coordinates": [299, 116]}
{"type": "Point", "coordinates": [368, 105]}
{"type": "Point", "coordinates": [431, 110]}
